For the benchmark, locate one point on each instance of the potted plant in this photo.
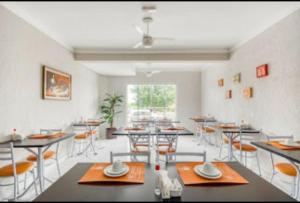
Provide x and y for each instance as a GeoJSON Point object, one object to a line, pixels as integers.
{"type": "Point", "coordinates": [108, 110]}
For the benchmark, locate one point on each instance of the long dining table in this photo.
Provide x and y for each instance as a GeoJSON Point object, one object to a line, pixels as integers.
{"type": "Point", "coordinates": [41, 146]}
{"type": "Point", "coordinates": [67, 188]}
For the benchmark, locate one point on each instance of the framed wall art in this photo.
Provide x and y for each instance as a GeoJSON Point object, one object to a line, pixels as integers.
{"type": "Point", "coordinates": [262, 71]}
{"type": "Point", "coordinates": [56, 84]}
{"type": "Point", "coordinates": [248, 92]}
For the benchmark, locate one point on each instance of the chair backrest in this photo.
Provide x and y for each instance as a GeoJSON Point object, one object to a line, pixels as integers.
{"type": "Point", "coordinates": [187, 155]}
{"type": "Point", "coordinates": [7, 154]}
{"type": "Point", "coordinates": [139, 139]}
{"type": "Point", "coordinates": [133, 156]}
{"type": "Point", "coordinates": [167, 139]}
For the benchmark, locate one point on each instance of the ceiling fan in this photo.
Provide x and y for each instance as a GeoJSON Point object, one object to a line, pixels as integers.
{"type": "Point", "coordinates": [148, 40]}
{"type": "Point", "coordinates": [147, 71]}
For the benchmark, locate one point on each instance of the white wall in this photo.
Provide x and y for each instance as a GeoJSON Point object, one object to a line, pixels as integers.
{"type": "Point", "coordinates": [23, 51]}
{"type": "Point", "coordinates": [275, 105]}
{"type": "Point", "coordinates": [188, 92]}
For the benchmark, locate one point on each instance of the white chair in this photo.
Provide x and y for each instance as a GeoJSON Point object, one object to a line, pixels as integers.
{"type": "Point", "coordinates": [81, 140]}
{"type": "Point", "coordinates": [133, 156]}
{"type": "Point", "coordinates": [166, 143]}
{"type": "Point", "coordinates": [284, 168]}
{"type": "Point", "coordinates": [206, 132]}
{"type": "Point", "coordinates": [173, 157]}
{"type": "Point", "coordinates": [140, 143]}
{"type": "Point", "coordinates": [246, 150]}
{"type": "Point", "coordinates": [224, 139]}
{"type": "Point", "coordinates": [14, 170]}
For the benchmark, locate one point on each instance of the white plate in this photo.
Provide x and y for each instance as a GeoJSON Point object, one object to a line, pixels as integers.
{"type": "Point", "coordinates": [215, 172]}
{"type": "Point", "coordinates": [294, 144]}
{"type": "Point", "coordinates": [208, 176]}
{"type": "Point", "coordinates": [110, 173]}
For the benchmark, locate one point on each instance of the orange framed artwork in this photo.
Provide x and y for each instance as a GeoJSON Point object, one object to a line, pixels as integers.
{"type": "Point", "coordinates": [248, 92]}
{"type": "Point", "coordinates": [57, 85]}
{"type": "Point", "coordinates": [221, 82]}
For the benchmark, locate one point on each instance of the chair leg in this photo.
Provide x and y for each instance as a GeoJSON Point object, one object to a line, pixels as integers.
{"type": "Point", "coordinates": [25, 181]}
{"type": "Point", "coordinates": [58, 167]}
{"type": "Point", "coordinates": [18, 186]}
{"type": "Point", "coordinates": [221, 148]}
{"type": "Point", "coordinates": [72, 150]}
{"type": "Point", "coordinates": [258, 164]}
{"type": "Point", "coordinates": [15, 188]}
{"type": "Point", "coordinates": [34, 182]}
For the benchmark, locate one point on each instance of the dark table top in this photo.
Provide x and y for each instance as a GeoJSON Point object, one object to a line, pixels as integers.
{"type": "Point", "coordinates": [180, 133]}
{"type": "Point", "coordinates": [67, 189]}
{"type": "Point", "coordinates": [239, 130]}
{"type": "Point", "coordinates": [32, 143]}
{"type": "Point", "coordinates": [293, 155]}
{"type": "Point", "coordinates": [88, 124]}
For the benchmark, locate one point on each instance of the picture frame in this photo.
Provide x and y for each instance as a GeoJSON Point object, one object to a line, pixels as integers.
{"type": "Point", "coordinates": [248, 92]}
{"type": "Point", "coordinates": [221, 82]}
{"type": "Point", "coordinates": [57, 85]}
{"type": "Point", "coordinates": [262, 71]}
{"type": "Point", "coordinates": [228, 94]}
{"type": "Point", "coordinates": [236, 78]}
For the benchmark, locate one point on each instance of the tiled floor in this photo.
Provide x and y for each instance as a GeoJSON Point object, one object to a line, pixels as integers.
{"type": "Point", "coordinates": [121, 144]}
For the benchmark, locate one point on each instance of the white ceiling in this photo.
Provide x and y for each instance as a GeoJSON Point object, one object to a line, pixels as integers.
{"type": "Point", "coordinates": [131, 69]}
{"type": "Point", "coordinates": [107, 26]}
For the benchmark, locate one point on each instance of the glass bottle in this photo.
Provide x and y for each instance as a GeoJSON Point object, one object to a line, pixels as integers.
{"type": "Point", "coordinates": [157, 182]}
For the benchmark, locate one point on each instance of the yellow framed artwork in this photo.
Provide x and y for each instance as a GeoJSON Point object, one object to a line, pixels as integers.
{"type": "Point", "coordinates": [237, 78]}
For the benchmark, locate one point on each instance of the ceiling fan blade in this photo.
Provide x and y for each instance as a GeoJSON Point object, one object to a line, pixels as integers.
{"type": "Point", "coordinates": [139, 30]}
{"type": "Point", "coordinates": [163, 38]}
{"type": "Point", "coordinates": [138, 45]}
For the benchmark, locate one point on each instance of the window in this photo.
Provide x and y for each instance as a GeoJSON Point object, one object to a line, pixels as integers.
{"type": "Point", "coordinates": [151, 102]}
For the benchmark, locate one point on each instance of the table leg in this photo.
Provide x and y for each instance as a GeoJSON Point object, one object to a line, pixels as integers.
{"type": "Point", "coordinates": [40, 168]}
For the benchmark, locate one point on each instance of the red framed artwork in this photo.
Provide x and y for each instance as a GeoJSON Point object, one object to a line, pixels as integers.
{"type": "Point", "coordinates": [262, 71]}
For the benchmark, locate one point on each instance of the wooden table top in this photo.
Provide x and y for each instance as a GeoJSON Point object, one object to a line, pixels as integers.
{"type": "Point", "coordinates": [293, 155]}
{"type": "Point", "coordinates": [32, 143]}
{"type": "Point", "coordinates": [88, 124]}
{"type": "Point", "coordinates": [67, 189]}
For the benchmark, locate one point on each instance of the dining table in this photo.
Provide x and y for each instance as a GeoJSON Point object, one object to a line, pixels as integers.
{"type": "Point", "coordinates": [152, 132]}
{"type": "Point", "coordinates": [89, 127]}
{"type": "Point", "coordinates": [292, 155]}
{"type": "Point", "coordinates": [67, 188]}
{"type": "Point", "coordinates": [233, 132]}
{"type": "Point", "coordinates": [38, 147]}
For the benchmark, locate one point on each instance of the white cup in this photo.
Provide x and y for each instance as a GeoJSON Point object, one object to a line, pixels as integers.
{"type": "Point", "coordinates": [117, 166]}
{"type": "Point", "coordinates": [209, 168]}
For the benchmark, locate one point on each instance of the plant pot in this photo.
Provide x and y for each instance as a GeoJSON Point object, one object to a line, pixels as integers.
{"type": "Point", "coordinates": [109, 133]}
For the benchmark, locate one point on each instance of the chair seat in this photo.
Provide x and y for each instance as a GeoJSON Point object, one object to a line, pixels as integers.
{"type": "Point", "coordinates": [47, 155]}
{"type": "Point", "coordinates": [93, 132]}
{"type": "Point", "coordinates": [226, 140]}
{"type": "Point", "coordinates": [162, 150]}
{"type": "Point", "coordinates": [244, 147]}
{"type": "Point", "coordinates": [82, 136]}
{"type": "Point", "coordinates": [21, 167]}
{"type": "Point", "coordinates": [208, 130]}
{"type": "Point", "coordinates": [286, 168]}
{"type": "Point", "coordinates": [141, 149]}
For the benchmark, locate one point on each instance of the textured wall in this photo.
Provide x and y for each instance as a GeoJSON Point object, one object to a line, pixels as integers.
{"type": "Point", "coordinates": [23, 51]}
{"type": "Point", "coordinates": [188, 92]}
{"type": "Point", "coordinates": [275, 106]}
{"type": "Point", "coordinates": [276, 102]}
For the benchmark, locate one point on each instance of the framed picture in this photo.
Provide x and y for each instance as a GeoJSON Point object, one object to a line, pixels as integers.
{"type": "Point", "coordinates": [248, 92]}
{"type": "Point", "coordinates": [228, 94]}
{"type": "Point", "coordinates": [237, 78]}
{"type": "Point", "coordinates": [262, 71]}
{"type": "Point", "coordinates": [56, 84]}
{"type": "Point", "coordinates": [221, 82]}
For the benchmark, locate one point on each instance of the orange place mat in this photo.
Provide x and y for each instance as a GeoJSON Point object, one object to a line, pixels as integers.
{"type": "Point", "coordinates": [95, 174]}
{"type": "Point", "coordinates": [134, 129]}
{"type": "Point", "coordinates": [175, 128]}
{"type": "Point", "coordinates": [189, 177]}
{"type": "Point", "coordinates": [43, 136]}
{"type": "Point", "coordinates": [278, 145]}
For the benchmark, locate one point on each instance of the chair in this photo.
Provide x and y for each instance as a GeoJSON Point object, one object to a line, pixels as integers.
{"type": "Point", "coordinates": [246, 150]}
{"type": "Point", "coordinates": [166, 143]}
{"type": "Point", "coordinates": [172, 157]}
{"type": "Point", "coordinates": [206, 133]}
{"type": "Point", "coordinates": [132, 155]}
{"type": "Point", "coordinates": [287, 169]}
{"type": "Point", "coordinates": [224, 139]}
{"type": "Point", "coordinates": [15, 169]}
{"type": "Point", "coordinates": [140, 143]}
{"type": "Point", "coordinates": [81, 139]}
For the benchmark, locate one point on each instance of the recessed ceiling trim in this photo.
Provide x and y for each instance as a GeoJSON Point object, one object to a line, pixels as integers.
{"type": "Point", "coordinates": [152, 57]}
